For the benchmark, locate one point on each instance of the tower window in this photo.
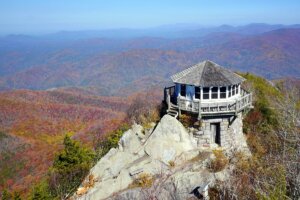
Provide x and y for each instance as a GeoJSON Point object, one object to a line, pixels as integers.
{"type": "Point", "coordinates": [222, 92]}
{"type": "Point", "coordinates": [214, 93]}
{"type": "Point", "coordinates": [197, 92]}
{"type": "Point", "coordinates": [183, 90]}
{"type": "Point", "coordinates": [206, 93]}
{"type": "Point", "coordinates": [233, 90]}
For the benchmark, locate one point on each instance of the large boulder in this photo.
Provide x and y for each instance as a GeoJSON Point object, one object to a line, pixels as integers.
{"type": "Point", "coordinates": [111, 171]}
{"type": "Point", "coordinates": [106, 188]}
{"type": "Point", "coordinates": [116, 159]}
{"type": "Point", "coordinates": [169, 140]}
{"type": "Point", "coordinates": [131, 139]}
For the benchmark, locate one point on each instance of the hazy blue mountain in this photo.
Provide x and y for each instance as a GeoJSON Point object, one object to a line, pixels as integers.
{"type": "Point", "coordinates": [116, 64]}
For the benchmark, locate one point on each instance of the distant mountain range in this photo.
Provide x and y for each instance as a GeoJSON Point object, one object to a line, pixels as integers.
{"type": "Point", "coordinates": [118, 66]}
{"type": "Point", "coordinates": [165, 31]}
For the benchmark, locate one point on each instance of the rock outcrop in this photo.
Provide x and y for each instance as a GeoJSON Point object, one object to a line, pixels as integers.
{"type": "Point", "coordinates": [167, 152]}
{"type": "Point", "coordinates": [169, 140]}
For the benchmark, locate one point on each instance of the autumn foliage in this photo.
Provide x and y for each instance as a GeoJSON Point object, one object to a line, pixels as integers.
{"type": "Point", "coordinates": [33, 125]}
{"type": "Point", "coordinates": [219, 162]}
{"type": "Point", "coordinates": [273, 137]}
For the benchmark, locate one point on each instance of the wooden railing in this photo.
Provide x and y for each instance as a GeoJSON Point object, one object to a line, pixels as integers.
{"type": "Point", "coordinates": [206, 108]}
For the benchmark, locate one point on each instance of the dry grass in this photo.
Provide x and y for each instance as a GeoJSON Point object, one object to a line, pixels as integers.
{"type": "Point", "coordinates": [86, 185]}
{"type": "Point", "coordinates": [171, 163]}
{"type": "Point", "coordinates": [219, 163]}
{"type": "Point", "coordinates": [187, 120]}
{"type": "Point", "coordinates": [144, 180]}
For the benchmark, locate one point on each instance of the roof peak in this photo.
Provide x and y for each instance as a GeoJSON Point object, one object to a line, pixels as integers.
{"type": "Point", "coordinates": [207, 73]}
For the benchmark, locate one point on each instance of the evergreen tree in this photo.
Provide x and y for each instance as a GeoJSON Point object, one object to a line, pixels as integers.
{"type": "Point", "coordinates": [6, 195]}
{"type": "Point", "coordinates": [41, 192]}
{"type": "Point", "coordinates": [17, 196]}
{"type": "Point", "coordinates": [72, 155]}
{"type": "Point", "coordinates": [70, 167]}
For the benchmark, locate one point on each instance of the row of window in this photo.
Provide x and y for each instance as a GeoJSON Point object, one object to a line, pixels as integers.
{"type": "Point", "coordinates": [232, 90]}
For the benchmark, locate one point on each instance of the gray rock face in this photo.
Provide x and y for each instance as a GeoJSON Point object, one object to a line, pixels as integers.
{"type": "Point", "coordinates": [131, 139]}
{"type": "Point", "coordinates": [152, 154]}
{"type": "Point", "coordinates": [169, 140]}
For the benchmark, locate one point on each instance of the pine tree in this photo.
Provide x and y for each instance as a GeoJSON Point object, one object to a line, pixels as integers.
{"type": "Point", "coordinates": [70, 167]}
{"type": "Point", "coordinates": [6, 195]}
{"type": "Point", "coordinates": [72, 155]}
{"type": "Point", "coordinates": [41, 192]}
{"type": "Point", "coordinates": [17, 196]}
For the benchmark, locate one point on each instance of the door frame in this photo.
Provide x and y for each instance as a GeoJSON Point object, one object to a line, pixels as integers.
{"type": "Point", "coordinates": [216, 136]}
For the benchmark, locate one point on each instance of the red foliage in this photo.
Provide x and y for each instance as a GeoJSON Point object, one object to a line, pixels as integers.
{"type": "Point", "coordinates": [40, 119]}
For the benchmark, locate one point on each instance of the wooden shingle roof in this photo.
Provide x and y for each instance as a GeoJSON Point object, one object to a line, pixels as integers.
{"type": "Point", "coordinates": [207, 74]}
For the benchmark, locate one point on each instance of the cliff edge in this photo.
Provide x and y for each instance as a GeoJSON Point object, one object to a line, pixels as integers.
{"type": "Point", "coordinates": [163, 162]}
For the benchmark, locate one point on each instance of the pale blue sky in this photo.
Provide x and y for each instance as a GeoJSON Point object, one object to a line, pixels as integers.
{"type": "Point", "coordinates": [39, 16]}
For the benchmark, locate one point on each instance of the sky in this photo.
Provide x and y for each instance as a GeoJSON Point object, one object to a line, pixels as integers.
{"type": "Point", "coordinates": [45, 16]}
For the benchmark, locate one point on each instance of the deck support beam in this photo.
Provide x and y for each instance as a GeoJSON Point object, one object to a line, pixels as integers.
{"type": "Point", "coordinates": [199, 111]}
{"type": "Point", "coordinates": [169, 102]}
{"type": "Point", "coordinates": [231, 119]}
{"type": "Point", "coordinates": [179, 110]}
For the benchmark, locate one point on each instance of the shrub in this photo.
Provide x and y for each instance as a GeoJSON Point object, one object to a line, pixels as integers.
{"type": "Point", "coordinates": [263, 93]}
{"type": "Point", "coordinates": [242, 162]}
{"type": "Point", "coordinates": [276, 187]}
{"type": "Point", "coordinates": [6, 195]}
{"type": "Point", "coordinates": [17, 196]}
{"type": "Point", "coordinates": [144, 180]}
{"type": "Point", "coordinates": [298, 106]}
{"type": "Point", "coordinates": [215, 193]}
{"type": "Point", "coordinates": [143, 111]}
{"type": "Point", "coordinates": [270, 172]}
{"type": "Point", "coordinates": [111, 140]}
{"type": "Point", "coordinates": [3, 135]}
{"type": "Point", "coordinates": [220, 161]}
{"type": "Point", "coordinates": [188, 120]}
{"type": "Point", "coordinates": [90, 182]}
{"type": "Point", "coordinates": [41, 191]}
{"type": "Point", "coordinates": [171, 163]}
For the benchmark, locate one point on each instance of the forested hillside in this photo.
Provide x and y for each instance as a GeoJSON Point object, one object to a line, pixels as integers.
{"type": "Point", "coordinates": [34, 123]}
{"type": "Point", "coordinates": [272, 129]}
{"type": "Point", "coordinates": [116, 65]}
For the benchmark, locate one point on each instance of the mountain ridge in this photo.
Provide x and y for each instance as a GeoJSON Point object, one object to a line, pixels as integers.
{"type": "Point", "coordinates": [272, 54]}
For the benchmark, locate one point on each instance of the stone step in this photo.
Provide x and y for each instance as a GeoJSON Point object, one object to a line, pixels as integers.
{"type": "Point", "coordinates": [144, 158]}
{"type": "Point", "coordinates": [172, 111]}
{"type": "Point", "coordinates": [135, 172]}
{"type": "Point", "coordinates": [175, 115]}
{"type": "Point", "coordinates": [172, 114]}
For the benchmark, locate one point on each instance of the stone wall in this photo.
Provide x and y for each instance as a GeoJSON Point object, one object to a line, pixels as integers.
{"type": "Point", "coordinates": [231, 132]}
{"type": "Point", "coordinates": [236, 138]}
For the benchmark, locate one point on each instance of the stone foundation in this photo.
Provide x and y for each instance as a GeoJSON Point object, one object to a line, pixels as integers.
{"type": "Point", "coordinates": [230, 129]}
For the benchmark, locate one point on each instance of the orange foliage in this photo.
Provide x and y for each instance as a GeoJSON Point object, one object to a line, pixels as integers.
{"type": "Point", "coordinates": [40, 119]}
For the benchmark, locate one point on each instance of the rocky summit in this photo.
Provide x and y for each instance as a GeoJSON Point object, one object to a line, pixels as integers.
{"type": "Point", "coordinates": [163, 161]}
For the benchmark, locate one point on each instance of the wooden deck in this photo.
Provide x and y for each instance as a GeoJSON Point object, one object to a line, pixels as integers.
{"type": "Point", "coordinates": [224, 107]}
